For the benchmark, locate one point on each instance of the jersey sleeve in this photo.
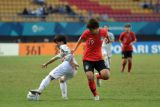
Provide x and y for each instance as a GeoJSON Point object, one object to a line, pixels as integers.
{"type": "Point", "coordinates": [121, 37]}
{"type": "Point", "coordinates": [62, 51]}
{"type": "Point", "coordinates": [65, 53]}
{"type": "Point", "coordinates": [105, 33]}
{"type": "Point", "coordinates": [84, 34]}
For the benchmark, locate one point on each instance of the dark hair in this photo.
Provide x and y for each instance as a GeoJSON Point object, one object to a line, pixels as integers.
{"type": "Point", "coordinates": [60, 38]}
{"type": "Point", "coordinates": [127, 25]}
{"type": "Point", "coordinates": [92, 24]}
{"type": "Point", "coordinates": [108, 27]}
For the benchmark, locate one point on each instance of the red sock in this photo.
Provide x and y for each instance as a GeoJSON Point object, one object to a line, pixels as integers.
{"type": "Point", "coordinates": [129, 66]}
{"type": "Point", "coordinates": [92, 87]}
{"type": "Point", "coordinates": [123, 65]}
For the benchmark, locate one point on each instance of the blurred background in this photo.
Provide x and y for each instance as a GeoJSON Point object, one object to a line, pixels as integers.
{"type": "Point", "coordinates": [27, 27]}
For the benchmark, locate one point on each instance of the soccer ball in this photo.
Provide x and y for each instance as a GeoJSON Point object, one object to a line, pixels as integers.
{"type": "Point", "coordinates": [32, 97]}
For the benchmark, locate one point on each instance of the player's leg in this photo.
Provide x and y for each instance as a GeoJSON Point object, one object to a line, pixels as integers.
{"type": "Point", "coordinates": [129, 59]}
{"type": "Point", "coordinates": [105, 58]}
{"type": "Point", "coordinates": [106, 61]}
{"type": "Point", "coordinates": [124, 61]}
{"type": "Point", "coordinates": [54, 74]}
{"type": "Point", "coordinates": [123, 65]}
{"type": "Point", "coordinates": [89, 69]}
{"type": "Point", "coordinates": [109, 60]}
{"type": "Point", "coordinates": [91, 84]}
{"type": "Point", "coordinates": [45, 82]}
{"type": "Point", "coordinates": [63, 87]}
{"type": "Point", "coordinates": [129, 64]}
{"type": "Point", "coordinates": [104, 72]}
{"type": "Point", "coordinates": [109, 55]}
{"type": "Point", "coordinates": [68, 74]}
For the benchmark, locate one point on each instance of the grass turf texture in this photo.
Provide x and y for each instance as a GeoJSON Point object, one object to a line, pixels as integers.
{"type": "Point", "coordinates": [139, 89]}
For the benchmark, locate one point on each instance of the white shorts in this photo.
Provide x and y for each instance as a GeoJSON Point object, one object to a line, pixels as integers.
{"type": "Point", "coordinates": [63, 70]}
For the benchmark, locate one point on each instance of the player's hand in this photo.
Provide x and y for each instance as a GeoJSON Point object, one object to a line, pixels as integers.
{"type": "Point", "coordinates": [44, 66]}
{"type": "Point", "coordinates": [107, 41]}
{"type": "Point", "coordinates": [76, 67]}
{"type": "Point", "coordinates": [131, 43]}
{"type": "Point", "coordinates": [72, 51]}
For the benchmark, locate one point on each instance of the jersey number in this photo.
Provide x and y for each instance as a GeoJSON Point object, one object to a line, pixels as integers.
{"type": "Point", "coordinates": [91, 42]}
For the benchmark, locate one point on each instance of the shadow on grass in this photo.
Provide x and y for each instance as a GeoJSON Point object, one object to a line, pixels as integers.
{"type": "Point", "coordinates": [62, 100]}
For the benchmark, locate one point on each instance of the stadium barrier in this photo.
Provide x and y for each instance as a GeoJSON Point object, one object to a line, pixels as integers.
{"type": "Point", "coordinates": [139, 48]}
{"type": "Point", "coordinates": [9, 49]}
{"type": "Point", "coordinates": [26, 49]}
{"type": "Point", "coordinates": [54, 28]}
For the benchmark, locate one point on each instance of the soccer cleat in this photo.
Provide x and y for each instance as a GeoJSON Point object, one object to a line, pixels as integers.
{"type": "Point", "coordinates": [96, 98]}
{"type": "Point", "coordinates": [65, 98]}
{"type": "Point", "coordinates": [98, 81]}
{"type": "Point", "coordinates": [35, 92]}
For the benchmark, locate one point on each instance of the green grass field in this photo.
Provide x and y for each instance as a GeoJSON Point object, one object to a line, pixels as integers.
{"type": "Point", "coordinates": [139, 89]}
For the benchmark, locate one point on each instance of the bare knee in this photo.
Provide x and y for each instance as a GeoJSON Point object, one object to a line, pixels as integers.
{"type": "Point", "coordinates": [130, 60]}
{"type": "Point", "coordinates": [125, 60]}
{"type": "Point", "coordinates": [90, 75]}
{"type": "Point", "coordinates": [62, 80]}
{"type": "Point", "coordinates": [105, 74]}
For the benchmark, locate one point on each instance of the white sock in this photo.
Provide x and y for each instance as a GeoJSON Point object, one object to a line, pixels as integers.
{"type": "Point", "coordinates": [45, 82]}
{"type": "Point", "coordinates": [109, 59]}
{"type": "Point", "coordinates": [63, 87]}
{"type": "Point", "coordinates": [107, 63]}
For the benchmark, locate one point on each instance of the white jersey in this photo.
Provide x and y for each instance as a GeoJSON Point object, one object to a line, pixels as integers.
{"type": "Point", "coordinates": [65, 54]}
{"type": "Point", "coordinates": [66, 68]}
{"type": "Point", "coordinates": [107, 47]}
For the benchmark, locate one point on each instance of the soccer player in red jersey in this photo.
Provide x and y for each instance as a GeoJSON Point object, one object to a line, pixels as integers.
{"type": "Point", "coordinates": [92, 57]}
{"type": "Point", "coordinates": [127, 38]}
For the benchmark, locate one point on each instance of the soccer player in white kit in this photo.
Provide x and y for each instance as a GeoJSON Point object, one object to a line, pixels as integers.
{"type": "Point", "coordinates": [65, 71]}
{"type": "Point", "coordinates": [107, 48]}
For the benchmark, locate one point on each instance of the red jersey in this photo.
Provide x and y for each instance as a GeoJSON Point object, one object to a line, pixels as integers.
{"type": "Point", "coordinates": [127, 39]}
{"type": "Point", "coordinates": [93, 51]}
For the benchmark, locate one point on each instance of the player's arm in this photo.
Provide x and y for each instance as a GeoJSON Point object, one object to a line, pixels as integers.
{"type": "Point", "coordinates": [134, 39]}
{"type": "Point", "coordinates": [51, 61]}
{"type": "Point", "coordinates": [75, 64]}
{"type": "Point", "coordinates": [107, 39]}
{"type": "Point", "coordinates": [106, 35]}
{"type": "Point", "coordinates": [77, 45]}
{"type": "Point", "coordinates": [120, 38]}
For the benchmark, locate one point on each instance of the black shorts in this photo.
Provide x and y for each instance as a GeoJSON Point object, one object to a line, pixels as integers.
{"type": "Point", "coordinates": [91, 65]}
{"type": "Point", "coordinates": [127, 54]}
